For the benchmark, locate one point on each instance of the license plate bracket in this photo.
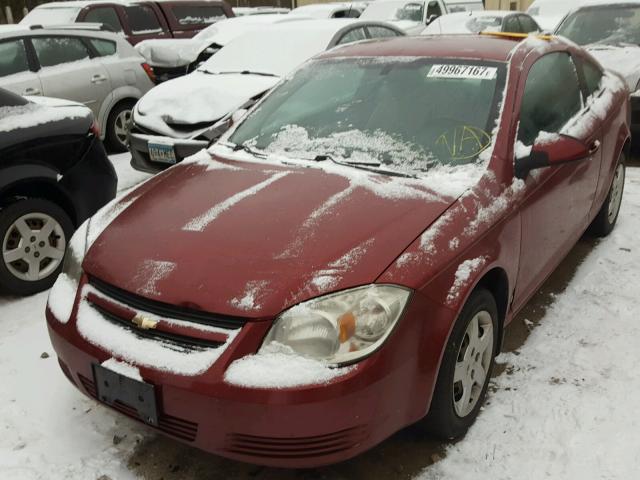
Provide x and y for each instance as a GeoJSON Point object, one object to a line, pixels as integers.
{"type": "Point", "coordinates": [112, 387]}
{"type": "Point", "coordinates": [163, 153]}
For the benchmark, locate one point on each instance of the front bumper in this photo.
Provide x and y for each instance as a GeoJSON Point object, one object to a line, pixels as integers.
{"type": "Point", "coordinates": [90, 183]}
{"type": "Point", "coordinates": [139, 147]}
{"type": "Point", "coordinates": [305, 426]}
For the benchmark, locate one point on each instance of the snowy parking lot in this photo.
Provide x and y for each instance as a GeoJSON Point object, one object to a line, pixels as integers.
{"type": "Point", "coordinates": [562, 406]}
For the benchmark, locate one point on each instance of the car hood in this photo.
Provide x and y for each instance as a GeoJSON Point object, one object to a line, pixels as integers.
{"type": "Point", "coordinates": [169, 53]}
{"type": "Point", "coordinates": [40, 118]}
{"type": "Point", "coordinates": [251, 238]}
{"type": "Point", "coordinates": [179, 108]}
{"type": "Point", "coordinates": [623, 60]}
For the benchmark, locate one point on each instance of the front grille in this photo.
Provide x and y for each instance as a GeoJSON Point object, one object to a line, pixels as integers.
{"type": "Point", "coordinates": [178, 427]}
{"type": "Point", "coordinates": [294, 447]}
{"type": "Point", "coordinates": [180, 343]}
{"type": "Point", "coordinates": [166, 310]}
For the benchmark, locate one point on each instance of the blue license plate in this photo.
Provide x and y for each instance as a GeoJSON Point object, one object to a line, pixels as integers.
{"type": "Point", "coordinates": [159, 152]}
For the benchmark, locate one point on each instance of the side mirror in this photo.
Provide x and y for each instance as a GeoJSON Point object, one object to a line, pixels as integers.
{"type": "Point", "coordinates": [552, 149]}
{"type": "Point", "coordinates": [431, 18]}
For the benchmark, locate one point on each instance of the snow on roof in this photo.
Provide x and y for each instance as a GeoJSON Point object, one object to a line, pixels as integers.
{"type": "Point", "coordinates": [323, 10]}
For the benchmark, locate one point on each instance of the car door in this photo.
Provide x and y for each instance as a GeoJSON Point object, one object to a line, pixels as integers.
{"type": "Point", "coordinates": [68, 71]}
{"type": "Point", "coordinates": [16, 68]}
{"type": "Point", "coordinates": [557, 200]}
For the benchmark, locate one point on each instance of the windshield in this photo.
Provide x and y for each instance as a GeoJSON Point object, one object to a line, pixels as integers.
{"type": "Point", "coordinates": [404, 114]}
{"type": "Point", "coordinates": [51, 16]}
{"type": "Point", "coordinates": [413, 11]}
{"type": "Point", "coordinates": [612, 25]}
{"type": "Point", "coordinates": [551, 8]}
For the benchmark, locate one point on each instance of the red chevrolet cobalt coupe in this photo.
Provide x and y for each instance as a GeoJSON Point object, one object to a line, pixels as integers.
{"type": "Point", "coordinates": [344, 261]}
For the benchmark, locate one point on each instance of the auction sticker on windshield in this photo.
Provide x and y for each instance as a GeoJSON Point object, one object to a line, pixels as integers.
{"type": "Point", "coordinates": [476, 72]}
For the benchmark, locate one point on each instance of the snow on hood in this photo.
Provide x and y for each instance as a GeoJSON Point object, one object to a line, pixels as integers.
{"type": "Point", "coordinates": [197, 98]}
{"type": "Point", "coordinates": [174, 52]}
{"type": "Point", "coordinates": [272, 234]}
{"type": "Point", "coordinates": [38, 111]}
{"type": "Point", "coordinates": [624, 60]}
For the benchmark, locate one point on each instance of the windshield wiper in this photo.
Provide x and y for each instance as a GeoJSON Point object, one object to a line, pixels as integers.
{"type": "Point", "coordinates": [249, 150]}
{"type": "Point", "coordinates": [368, 166]}
{"type": "Point", "coordinates": [242, 72]}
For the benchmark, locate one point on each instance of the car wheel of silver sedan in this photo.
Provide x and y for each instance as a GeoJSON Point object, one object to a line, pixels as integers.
{"type": "Point", "coordinates": [118, 126]}
{"type": "Point", "coordinates": [33, 235]}
{"type": "Point", "coordinates": [466, 368]}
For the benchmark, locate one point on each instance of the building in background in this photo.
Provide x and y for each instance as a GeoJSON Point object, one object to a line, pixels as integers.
{"type": "Point", "coordinates": [507, 4]}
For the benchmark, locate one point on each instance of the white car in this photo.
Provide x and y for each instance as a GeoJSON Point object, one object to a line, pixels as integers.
{"type": "Point", "coordinates": [98, 69]}
{"type": "Point", "coordinates": [549, 13]}
{"type": "Point", "coordinates": [184, 115]}
{"type": "Point", "coordinates": [476, 21]}
{"type": "Point", "coordinates": [174, 57]}
{"type": "Point", "coordinates": [413, 15]}
{"type": "Point", "coordinates": [610, 31]}
{"type": "Point", "coordinates": [330, 10]}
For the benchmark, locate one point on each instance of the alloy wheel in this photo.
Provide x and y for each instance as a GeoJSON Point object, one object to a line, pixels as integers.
{"type": "Point", "coordinates": [33, 246]}
{"type": "Point", "coordinates": [472, 363]}
{"type": "Point", "coordinates": [616, 193]}
{"type": "Point", "coordinates": [120, 126]}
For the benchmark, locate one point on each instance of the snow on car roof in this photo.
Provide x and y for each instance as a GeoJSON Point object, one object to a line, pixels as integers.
{"type": "Point", "coordinates": [224, 31]}
{"type": "Point", "coordinates": [458, 22]}
{"type": "Point", "coordinates": [323, 9]}
{"type": "Point", "coordinates": [276, 51]}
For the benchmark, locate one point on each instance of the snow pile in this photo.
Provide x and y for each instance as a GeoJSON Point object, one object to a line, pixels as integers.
{"type": "Point", "coordinates": [123, 369]}
{"type": "Point", "coordinates": [121, 343]}
{"type": "Point", "coordinates": [249, 300]}
{"type": "Point", "coordinates": [150, 273]}
{"type": "Point", "coordinates": [278, 366]}
{"type": "Point", "coordinates": [201, 222]}
{"type": "Point", "coordinates": [31, 114]}
{"type": "Point", "coordinates": [565, 407]}
{"type": "Point", "coordinates": [465, 270]}
{"type": "Point", "coordinates": [62, 297]}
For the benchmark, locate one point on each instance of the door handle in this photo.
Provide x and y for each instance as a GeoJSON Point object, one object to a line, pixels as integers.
{"type": "Point", "coordinates": [98, 78]}
{"type": "Point", "coordinates": [595, 146]}
{"type": "Point", "coordinates": [32, 91]}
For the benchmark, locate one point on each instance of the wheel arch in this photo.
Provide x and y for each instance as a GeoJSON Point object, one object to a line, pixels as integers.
{"type": "Point", "coordinates": [38, 187]}
{"type": "Point", "coordinates": [496, 281]}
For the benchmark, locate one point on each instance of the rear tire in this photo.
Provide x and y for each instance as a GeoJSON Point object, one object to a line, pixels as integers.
{"type": "Point", "coordinates": [466, 368]}
{"type": "Point", "coordinates": [118, 124]}
{"type": "Point", "coordinates": [34, 234]}
{"type": "Point", "coordinates": [606, 219]}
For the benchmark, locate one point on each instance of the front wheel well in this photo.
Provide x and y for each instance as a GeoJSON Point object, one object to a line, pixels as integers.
{"type": "Point", "coordinates": [497, 282]}
{"type": "Point", "coordinates": [44, 189]}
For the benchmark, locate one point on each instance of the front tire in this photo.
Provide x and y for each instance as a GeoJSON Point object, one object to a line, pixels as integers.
{"type": "Point", "coordinates": [466, 368]}
{"type": "Point", "coordinates": [34, 234]}
{"type": "Point", "coordinates": [606, 219]}
{"type": "Point", "coordinates": [118, 126]}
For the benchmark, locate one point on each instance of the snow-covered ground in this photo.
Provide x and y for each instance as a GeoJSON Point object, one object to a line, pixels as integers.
{"type": "Point", "coordinates": [564, 408]}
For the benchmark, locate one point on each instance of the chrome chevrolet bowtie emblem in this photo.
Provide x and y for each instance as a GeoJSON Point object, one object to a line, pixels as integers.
{"type": "Point", "coordinates": [143, 322]}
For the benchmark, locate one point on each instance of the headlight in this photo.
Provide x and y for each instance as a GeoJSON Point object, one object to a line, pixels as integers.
{"type": "Point", "coordinates": [76, 251]}
{"type": "Point", "coordinates": [341, 327]}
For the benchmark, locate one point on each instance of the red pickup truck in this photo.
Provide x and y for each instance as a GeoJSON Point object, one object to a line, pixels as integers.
{"type": "Point", "coordinates": [136, 20]}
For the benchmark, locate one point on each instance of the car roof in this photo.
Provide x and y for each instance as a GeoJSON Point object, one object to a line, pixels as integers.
{"type": "Point", "coordinates": [490, 47]}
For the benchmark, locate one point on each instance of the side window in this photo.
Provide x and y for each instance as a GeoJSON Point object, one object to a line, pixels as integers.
{"type": "Point", "coordinates": [592, 76]}
{"type": "Point", "coordinates": [339, 14]}
{"type": "Point", "coordinates": [198, 14]}
{"type": "Point", "coordinates": [511, 24]}
{"type": "Point", "coordinates": [106, 16]}
{"type": "Point", "coordinates": [551, 97]}
{"type": "Point", "coordinates": [353, 13]}
{"type": "Point", "coordinates": [142, 19]}
{"type": "Point", "coordinates": [53, 51]}
{"type": "Point", "coordinates": [103, 47]}
{"type": "Point", "coordinates": [13, 58]}
{"type": "Point", "coordinates": [381, 32]}
{"type": "Point", "coordinates": [352, 36]}
{"type": "Point", "coordinates": [433, 8]}
{"type": "Point", "coordinates": [528, 24]}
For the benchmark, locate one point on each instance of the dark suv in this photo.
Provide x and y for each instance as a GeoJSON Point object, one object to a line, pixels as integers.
{"type": "Point", "coordinates": [54, 174]}
{"type": "Point", "coordinates": [138, 21]}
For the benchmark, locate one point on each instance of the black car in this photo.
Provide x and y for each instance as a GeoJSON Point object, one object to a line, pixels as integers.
{"type": "Point", "coordinates": [54, 174]}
